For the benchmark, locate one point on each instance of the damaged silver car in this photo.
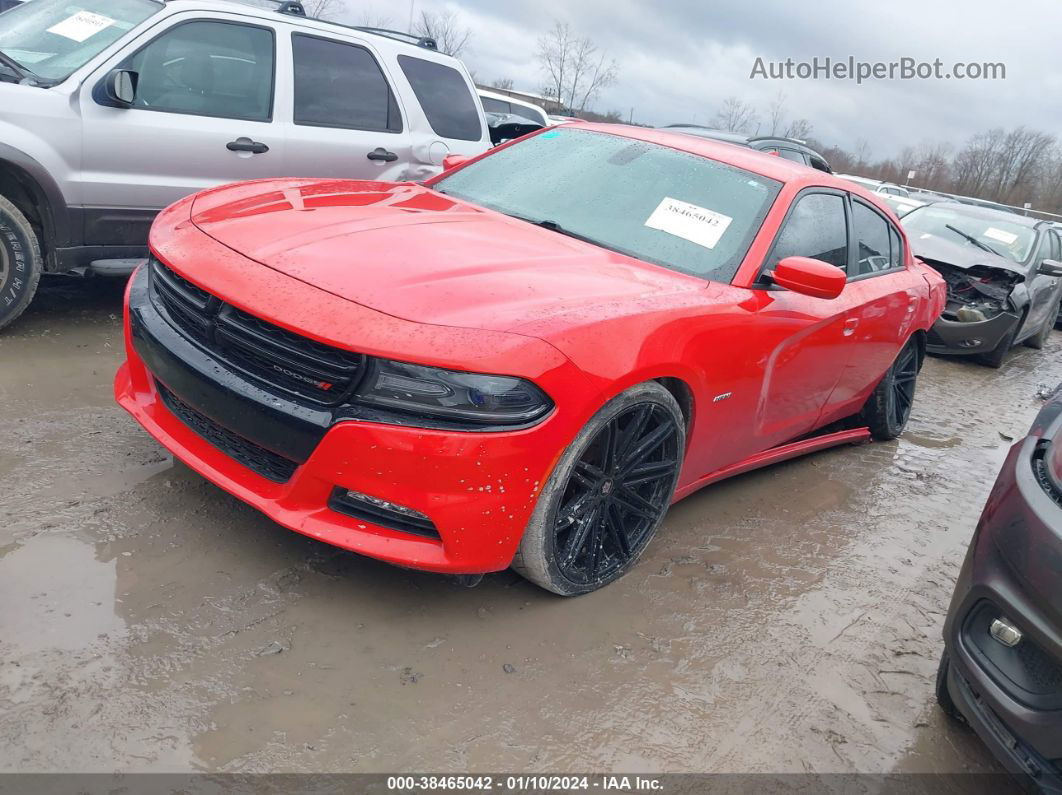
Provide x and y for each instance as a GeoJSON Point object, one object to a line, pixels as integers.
{"type": "Point", "coordinates": [1003, 272]}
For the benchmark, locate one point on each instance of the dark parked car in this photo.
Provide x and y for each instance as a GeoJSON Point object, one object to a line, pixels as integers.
{"type": "Point", "coordinates": [1001, 671]}
{"type": "Point", "coordinates": [789, 148]}
{"type": "Point", "coordinates": [1003, 272]}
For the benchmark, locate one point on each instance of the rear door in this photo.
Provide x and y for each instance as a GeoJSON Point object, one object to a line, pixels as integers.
{"type": "Point", "coordinates": [344, 117]}
{"type": "Point", "coordinates": [203, 116]}
{"type": "Point", "coordinates": [883, 297]}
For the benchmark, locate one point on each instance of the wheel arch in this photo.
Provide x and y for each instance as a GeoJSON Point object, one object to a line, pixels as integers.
{"type": "Point", "coordinates": [683, 395]}
{"type": "Point", "coordinates": [26, 184]}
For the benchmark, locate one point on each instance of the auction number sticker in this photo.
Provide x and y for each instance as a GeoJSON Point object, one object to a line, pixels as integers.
{"type": "Point", "coordinates": [696, 224]}
{"type": "Point", "coordinates": [1007, 238]}
{"type": "Point", "coordinates": [81, 26]}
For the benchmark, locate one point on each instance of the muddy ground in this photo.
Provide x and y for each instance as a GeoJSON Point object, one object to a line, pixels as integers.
{"type": "Point", "coordinates": [787, 620]}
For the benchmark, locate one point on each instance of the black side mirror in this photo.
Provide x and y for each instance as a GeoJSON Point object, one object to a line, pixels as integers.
{"type": "Point", "coordinates": [1050, 267]}
{"type": "Point", "coordinates": [120, 87]}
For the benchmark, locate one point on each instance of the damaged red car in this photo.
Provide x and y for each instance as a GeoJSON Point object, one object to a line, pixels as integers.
{"type": "Point", "coordinates": [524, 361]}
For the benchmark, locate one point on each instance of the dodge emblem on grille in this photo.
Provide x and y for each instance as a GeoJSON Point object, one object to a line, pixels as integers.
{"type": "Point", "coordinates": [300, 377]}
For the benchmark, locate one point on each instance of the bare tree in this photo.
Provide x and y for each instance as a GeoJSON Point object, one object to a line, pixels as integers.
{"type": "Point", "coordinates": [575, 69]}
{"type": "Point", "coordinates": [797, 128]}
{"type": "Point", "coordinates": [451, 37]}
{"type": "Point", "coordinates": [503, 83]}
{"type": "Point", "coordinates": [736, 115]}
{"type": "Point", "coordinates": [862, 152]}
{"type": "Point", "coordinates": [776, 113]}
{"type": "Point", "coordinates": [372, 19]}
{"type": "Point", "coordinates": [319, 9]}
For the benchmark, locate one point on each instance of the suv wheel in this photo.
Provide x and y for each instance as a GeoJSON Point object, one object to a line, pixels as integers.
{"type": "Point", "coordinates": [20, 262]}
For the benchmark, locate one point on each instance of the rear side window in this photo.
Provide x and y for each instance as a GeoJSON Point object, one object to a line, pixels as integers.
{"type": "Point", "coordinates": [873, 240]}
{"type": "Point", "coordinates": [219, 69]}
{"type": "Point", "coordinates": [792, 154]}
{"type": "Point", "coordinates": [442, 92]}
{"type": "Point", "coordinates": [492, 105]}
{"type": "Point", "coordinates": [815, 228]}
{"type": "Point", "coordinates": [341, 85]}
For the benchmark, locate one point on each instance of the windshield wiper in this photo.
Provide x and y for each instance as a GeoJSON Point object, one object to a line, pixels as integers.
{"type": "Point", "coordinates": [971, 239]}
{"type": "Point", "coordinates": [21, 71]}
{"type": "Point", "coordinates": [553, 226]}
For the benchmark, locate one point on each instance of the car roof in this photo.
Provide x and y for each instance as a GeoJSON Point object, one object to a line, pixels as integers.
{"type": "Point", "coordinates": [744, 157]}
{"type": "Point", "coordinates": [978, 211]}
{"type": "Point", "coordinates": [271, 9]}
{"type": "Point", "coordinates": [708, 132]}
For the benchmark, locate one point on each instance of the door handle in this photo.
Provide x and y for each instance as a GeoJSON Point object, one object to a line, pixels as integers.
{"type": "Point", "coordinates": [379, 153]}
{"type": "Point", "coordinates": [247, 145]}
{"type": "Point", "coordinates": [850, 326]}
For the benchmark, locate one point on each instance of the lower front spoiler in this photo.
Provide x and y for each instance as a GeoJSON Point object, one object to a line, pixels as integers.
{"type": "Point", "coordinates": [1017, 757]}
{"type": "Point", "coordinates": [967, 339]}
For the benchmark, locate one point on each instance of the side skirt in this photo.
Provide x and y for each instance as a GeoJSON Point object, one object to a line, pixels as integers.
{"type": "Point", "coordinates": [775, 454]}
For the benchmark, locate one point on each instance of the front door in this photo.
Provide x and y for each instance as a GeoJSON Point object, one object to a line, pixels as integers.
{"type": "Point", "coordinates": [203, 116]}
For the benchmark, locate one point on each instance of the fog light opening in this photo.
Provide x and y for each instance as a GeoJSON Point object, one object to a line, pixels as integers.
{"type": "Point", "coordinates": [971, 343]}
{"type": "Point", "coordinates": [382, 512]}
{"type": "Point", "coordinates": [1006, 633]}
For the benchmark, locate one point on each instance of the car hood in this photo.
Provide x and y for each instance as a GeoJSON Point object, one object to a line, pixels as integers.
{"type": "Point", "coordinates": [931, 248]}
{"type": "Point", "coordinates": [413, 253]}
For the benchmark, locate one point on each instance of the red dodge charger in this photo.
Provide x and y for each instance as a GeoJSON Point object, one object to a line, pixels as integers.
{"type": "Point", "coordinates": [525, 360]}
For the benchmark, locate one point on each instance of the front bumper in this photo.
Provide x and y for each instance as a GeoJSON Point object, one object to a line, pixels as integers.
{"type": "Point", "coordinates": [478, 488]}
{"type": "Point", "coordinates": [1013, 697]}
{"type": "Point", "coordinates": [953, 337]}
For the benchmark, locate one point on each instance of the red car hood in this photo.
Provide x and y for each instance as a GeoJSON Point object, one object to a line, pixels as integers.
{"type": "Point", "coordinates": [416, 254]}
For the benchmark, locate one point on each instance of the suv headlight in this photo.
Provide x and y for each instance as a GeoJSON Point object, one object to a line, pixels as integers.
{"type": "Point", "coordinates": [454, 395]}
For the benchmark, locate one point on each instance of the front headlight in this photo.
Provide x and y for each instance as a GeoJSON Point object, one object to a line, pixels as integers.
{"type": "Point", "coordinates": [454, 395]}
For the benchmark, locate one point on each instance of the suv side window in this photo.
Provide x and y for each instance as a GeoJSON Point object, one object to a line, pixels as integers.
{"type": "Point", "coordinates": [816, 227]}
{"type": "Point", "coordinates": [492, 105]}
{"type": "Point", "coordinates": [1049, 249]}
{"type": "Point", "coordinates": [818, 163]}
{"type": "Point", "coordinates": [341, 85]}
{"type": "Point", "coordinates": [874, 241]}
{"type": "Point", "coordinates": [222, 69]}
{"type": "Point", "coordinates": [444, 95]}
{"type": "Point", "coordinates": [794, 155]}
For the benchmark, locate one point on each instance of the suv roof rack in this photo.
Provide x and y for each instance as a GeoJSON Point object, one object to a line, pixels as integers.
{"type": "Point", "coordinates": [426, 42]}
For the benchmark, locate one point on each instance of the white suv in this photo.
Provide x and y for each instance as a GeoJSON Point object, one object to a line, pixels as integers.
{"type": "Point", "coordinates": [112, 109]}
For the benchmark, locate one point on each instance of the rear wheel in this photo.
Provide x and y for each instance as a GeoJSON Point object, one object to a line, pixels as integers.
{"type": "Point", "coordinates": [888, 408]}
{"type": "Point", "coordinates": [607, 494]}
{"type": "Point", "coordinates": [1039, 339]}
{"type": "Point", "coordinates": [20, 262]}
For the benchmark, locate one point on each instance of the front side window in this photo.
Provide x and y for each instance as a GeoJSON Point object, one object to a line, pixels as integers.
{"type": "Point", "coordinates": [661, 205]}
{"type": "Point", "coordinates": [792, 154]}
{"type": "Point", "coordinates": [873, 240]}
{"type": "Point", "coordinates": [815, 228]}
{"type": "Point", "coordinates": [51, 39]}
{"type": "Point", "coordinates": [207, 69]}
{"type": "Point", "coordinates": [341, 85]}
{"type": "Point", "coordinates": [443, 93]}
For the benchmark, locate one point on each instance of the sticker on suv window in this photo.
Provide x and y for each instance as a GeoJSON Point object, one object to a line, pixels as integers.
{"type": "Point", "coordinates": [696, 224]}
{"type": "Point", "coordinates": [81, 26]}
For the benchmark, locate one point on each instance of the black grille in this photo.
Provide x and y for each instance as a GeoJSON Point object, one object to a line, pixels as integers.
{"type": "Point", "coordinates": [1040, 470]}
{"type": "Point", "coordinates": [275, 356]}
{"type": "Point", "coordinates": [266, 463]}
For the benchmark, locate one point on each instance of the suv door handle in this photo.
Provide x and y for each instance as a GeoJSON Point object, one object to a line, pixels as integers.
{"type": "Point", "coordinates": [247, 145]}
{"type": "Point", "coordinates": [379, 153]}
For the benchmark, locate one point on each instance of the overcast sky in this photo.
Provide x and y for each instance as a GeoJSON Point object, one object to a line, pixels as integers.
{"type": "Point", "coordinates": [680, 58]}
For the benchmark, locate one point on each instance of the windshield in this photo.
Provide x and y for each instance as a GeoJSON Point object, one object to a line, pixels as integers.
{"type": "Point", "coordinates": [50, 39]}
{"type": "Point", "coordinates": [671, 208]}
{"type": "Point", "coordinates": [1011, 240]}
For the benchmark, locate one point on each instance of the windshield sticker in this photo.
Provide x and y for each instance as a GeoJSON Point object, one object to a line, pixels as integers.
{"type": "Point", "coordinates": [81, 26]}
{"type": "Point", "coordinates": [688, 221]}
{"type": "Point", "coordinates": [1005, 238]}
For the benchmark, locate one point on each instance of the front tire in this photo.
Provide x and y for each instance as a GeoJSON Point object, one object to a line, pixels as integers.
{"type": "Point", "coordinates": [944, 699]}
{"type": "Point", "coordinates": [888, 408]}
{"type": "Point", "coordinates": [20, 262]}
{"type": "Point", "coordinates": [1039, 339]}
{"type": "Point", "coordinates": [607, 495]}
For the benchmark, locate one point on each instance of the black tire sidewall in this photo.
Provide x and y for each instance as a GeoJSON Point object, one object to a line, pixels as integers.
{"type": "Point", "coordinates": [544, 571]}
{"type": "Point", "coordinates": [22, 253]}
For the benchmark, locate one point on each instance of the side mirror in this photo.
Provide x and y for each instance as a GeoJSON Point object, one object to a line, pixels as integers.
{"type": "Point", "coordinates": [120, 87]}
{"type": "Point", "coordinates": [1050, 267]}
{"type": "Point", "coordinates": [453, 161]}
{"type": "Point", "coordinates": [809, 276]}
